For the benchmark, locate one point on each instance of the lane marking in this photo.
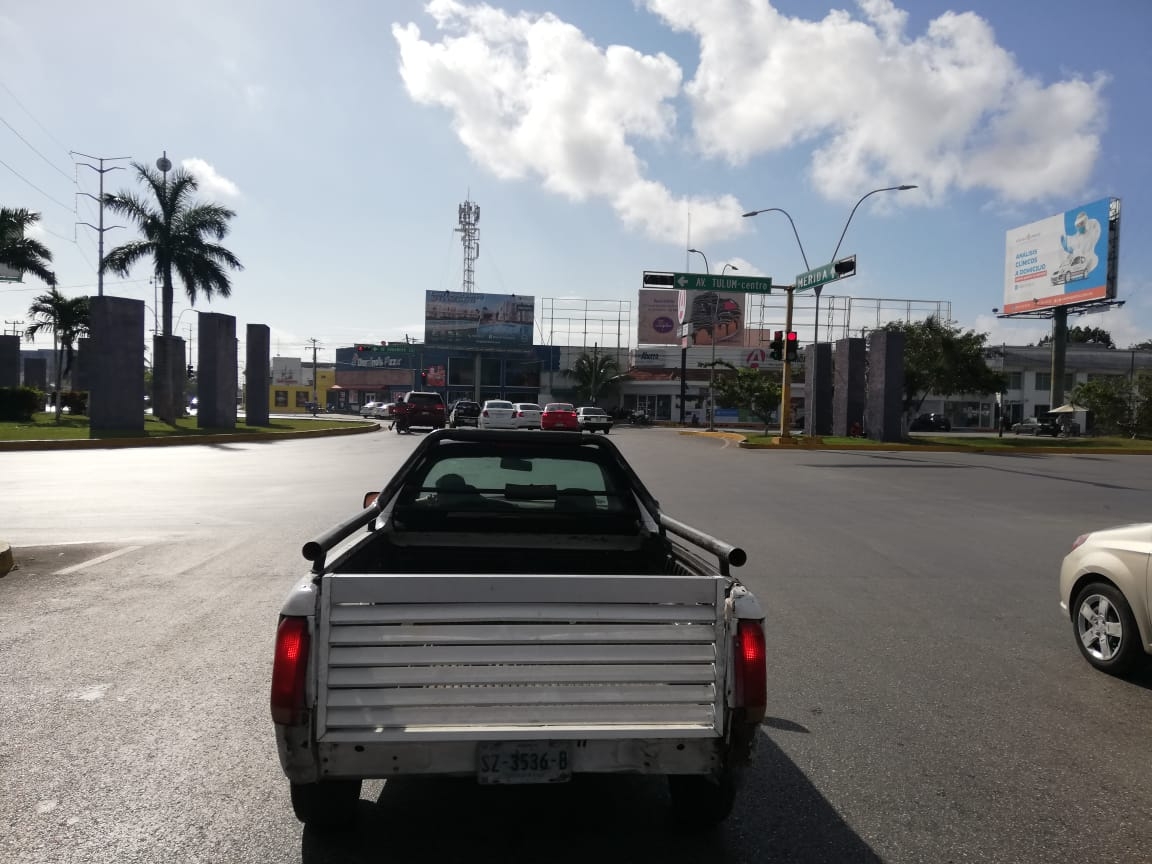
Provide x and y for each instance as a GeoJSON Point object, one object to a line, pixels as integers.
{"type": "Point", "coordinates": [67, 571]}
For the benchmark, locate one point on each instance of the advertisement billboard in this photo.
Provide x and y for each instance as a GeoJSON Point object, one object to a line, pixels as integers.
{"type": "Point", "coordinates": [9, 274]}
{"type": "Point", "coordinates": [457, 319]}
{"type": "Point", "coordinates": [1062, 260]}
{"type": "Point", "coordinates": [657, 321]}
{"type": "Point", "coordinates": [662, 311]}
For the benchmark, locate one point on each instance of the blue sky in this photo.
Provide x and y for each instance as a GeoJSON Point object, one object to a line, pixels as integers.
{"type": "Point", "coordinates": [591, 134]}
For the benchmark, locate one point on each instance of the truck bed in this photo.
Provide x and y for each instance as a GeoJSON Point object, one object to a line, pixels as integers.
{"type": "Point", "coordinates": [519, 656]}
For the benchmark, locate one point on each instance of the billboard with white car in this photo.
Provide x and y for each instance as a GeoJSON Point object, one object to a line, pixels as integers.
{"type": "Point", "coordinates": [1064, 260]}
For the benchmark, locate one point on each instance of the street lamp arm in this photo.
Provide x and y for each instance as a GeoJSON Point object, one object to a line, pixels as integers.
{"type": "Point", "coordinates": [790, 222]}
{"type": "Point", "coordinates": [705, 257]}
{"type": "Point", "coordinates": [901, 188]}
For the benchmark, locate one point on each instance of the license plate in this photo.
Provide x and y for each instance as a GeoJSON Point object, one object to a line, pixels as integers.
{"type": "Point", "coordinates": [506, 762]}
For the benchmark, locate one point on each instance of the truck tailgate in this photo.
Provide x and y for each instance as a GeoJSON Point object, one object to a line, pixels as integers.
{"type": "Point", "coordinates": [502, 657]}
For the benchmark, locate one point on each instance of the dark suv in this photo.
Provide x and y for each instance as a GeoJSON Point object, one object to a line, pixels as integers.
{"type": "Point", "coordinates": [464, 412]}
{"type": "Point", "coordinates": [931, 423]}
{"type": "Point", "coordinates": [419, 409]}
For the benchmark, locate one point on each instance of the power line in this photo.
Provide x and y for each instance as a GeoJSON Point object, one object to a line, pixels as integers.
{"type": "Point", "coordinates": [37, 188]}
{"type": "Point", "coordinates": [33, 116]}
{"type": "Point", "coordinates": [37, 152]}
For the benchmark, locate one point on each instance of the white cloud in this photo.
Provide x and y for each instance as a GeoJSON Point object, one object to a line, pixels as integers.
{"type": "Point", "coordinates": [212, 184]}
{"type": "Point", "coordinates": [533, 97]}
{"type": "Point", "coordinates": [947, 110]}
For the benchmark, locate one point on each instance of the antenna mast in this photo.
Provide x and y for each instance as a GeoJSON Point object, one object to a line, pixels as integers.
{"type": "Point", "coordinates": [468, 214]}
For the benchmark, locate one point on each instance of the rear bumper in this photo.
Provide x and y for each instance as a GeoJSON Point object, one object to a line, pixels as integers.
{"type": "Point", "coordinates": [381, 760]}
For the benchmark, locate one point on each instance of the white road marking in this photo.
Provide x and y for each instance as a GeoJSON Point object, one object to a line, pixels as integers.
{"type": "Point", "coordinates": [98, 560]}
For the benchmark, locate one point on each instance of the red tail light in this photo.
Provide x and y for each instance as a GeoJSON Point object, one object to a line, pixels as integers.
{"type": "Point", "coordinates": [751, 672]}
{"type": "Point", "coordinates": [485, 412]}
{"type": "Point", "coordinates": [289, 672]}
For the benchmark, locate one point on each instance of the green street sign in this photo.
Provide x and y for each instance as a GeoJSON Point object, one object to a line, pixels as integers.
{"type": "Point", "coordinates": [703, 282]}
{"type": "Point", "coordinates": [841, 269]}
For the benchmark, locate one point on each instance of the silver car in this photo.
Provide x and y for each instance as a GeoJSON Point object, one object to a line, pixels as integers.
{"type": "Point", "coordinates": [1104, 591]}
{"type": "Point", "coordinates": [497, 414]}
{"type": "Point", "coordinates": [527, 415]}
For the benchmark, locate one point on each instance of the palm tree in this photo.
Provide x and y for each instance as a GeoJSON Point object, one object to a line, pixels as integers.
{"type": "Point", "coordinates": [178, 233]}
{"type": "Point", "coordinates": [592, 372]}
{"type": "Point", "coordinates": [19, 252]}
{"type": "Point", "coordinates": [67, 318]}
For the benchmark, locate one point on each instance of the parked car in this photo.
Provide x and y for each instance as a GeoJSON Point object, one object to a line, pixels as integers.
{"type": "Point", "coordinates": [1104, 591]}
{"type": "Point", "coordinates": [1036, 426]}
{"type": "Point", "coordinates": [559, 415]}
{"type": "Point", "coordinates": [419, 409]}
{"type": "Point", "coordinates": [931, 423]}
{"type": "Point", "coordinates": [593, 419]}
{"type": "Point", "coordinates": [385, 411]}
{"type": "Point", "coordinates": [464, 412]}
{"type": "Point", "coordinates": [497, 414]}
{"type": "Point", "coordinates": [527, 415]}
{"type": "Point", "coordinates": [368, 409]}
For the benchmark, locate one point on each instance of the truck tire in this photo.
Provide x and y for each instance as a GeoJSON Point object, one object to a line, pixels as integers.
{"type": "Point", "coordinates": [326, 805]}
{"type": "Point", "coordinates": [700, 802]}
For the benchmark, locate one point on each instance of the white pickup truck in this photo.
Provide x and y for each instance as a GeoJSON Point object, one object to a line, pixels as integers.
{"type": "Point", "coordinates": [516, 608]}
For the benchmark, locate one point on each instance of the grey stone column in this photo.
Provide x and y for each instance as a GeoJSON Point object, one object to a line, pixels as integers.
{"type": "Point", "coordinates": [9, 361]}
{"type": "Point", "coordinates": [257, 374]}
{"type": "Point", "coordinates": [168, 366]}
{"type": "Point", "coordinates": [36, 373]}
{"type": "Point", "coordinates": [848, 396]}
{"type": "Point", "coordinates": [216, 372]}
{"type": "Point", "coordinates": [114, 364]}
{"type": "Point", "coordinates": [885, 411]}
{"type": "Point", "coordinates": [818, 389]}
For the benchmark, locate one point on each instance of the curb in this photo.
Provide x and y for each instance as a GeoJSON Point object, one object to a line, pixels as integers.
{"type": "Point", "coordinates": [178, 440]}
{"type": "Point", "coordinates": [800, 444]}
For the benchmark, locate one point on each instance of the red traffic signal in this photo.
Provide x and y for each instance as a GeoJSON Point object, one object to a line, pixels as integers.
{"type": "Point", "coordinates": [793, 346]}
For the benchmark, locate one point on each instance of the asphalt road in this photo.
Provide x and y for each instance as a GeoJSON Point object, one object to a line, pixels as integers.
{"type": "Point", "coordinates": [928, 703]}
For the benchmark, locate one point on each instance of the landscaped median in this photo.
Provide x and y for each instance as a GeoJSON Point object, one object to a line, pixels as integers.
{"type": "Point", "coordinates": [73, 432]}
{"type": "Point", "coordinates": [1008, 445]}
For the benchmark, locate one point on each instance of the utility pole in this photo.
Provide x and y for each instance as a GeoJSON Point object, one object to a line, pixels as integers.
{"type": "Point", "coordinates": [315, 387]}
{"type": "Point", "coordinates": [100, 229]}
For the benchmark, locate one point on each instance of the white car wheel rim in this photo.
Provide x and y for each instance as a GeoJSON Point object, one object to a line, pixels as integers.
{"type": "Point", "coordinates": [1099, 627]}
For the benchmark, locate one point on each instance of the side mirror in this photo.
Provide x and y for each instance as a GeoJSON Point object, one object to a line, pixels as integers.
{"type": "Point", "coordinates": [370, 499]}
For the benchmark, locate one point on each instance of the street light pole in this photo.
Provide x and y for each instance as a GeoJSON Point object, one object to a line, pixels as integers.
{"type": "Point", "coordinates": [786, 387]}
{"type": "Point", "coordinates": [711, 401]}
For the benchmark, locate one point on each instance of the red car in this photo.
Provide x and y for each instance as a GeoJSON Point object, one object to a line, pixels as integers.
{"type": "Point", "coordinates": [559, 415]}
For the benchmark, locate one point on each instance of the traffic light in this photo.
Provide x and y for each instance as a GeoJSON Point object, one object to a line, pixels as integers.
{"type": "Point", "coordinates": [776, 346]}
{"type": "Point", "coordinates": [423, 377]}
{"type": "Point", "coordinates": [191, 372]}
{"type": "Point", "coordinates": [791, 351]}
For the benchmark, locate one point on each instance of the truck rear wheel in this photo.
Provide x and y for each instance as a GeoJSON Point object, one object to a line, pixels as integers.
{"type": "Point", "coordinates": [699, 801]}
{"type": "Point", "coordinates": [325, 805]}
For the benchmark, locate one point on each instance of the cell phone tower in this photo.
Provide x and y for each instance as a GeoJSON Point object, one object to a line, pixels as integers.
{"type": "Point", "coordinates": [468, 214]}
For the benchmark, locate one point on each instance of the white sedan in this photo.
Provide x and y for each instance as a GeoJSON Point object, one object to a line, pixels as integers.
{"type": "Point", "coordinates": [1104, 591]}
{"type": "Point", "coordinates": [527, 415]}
{"type": "Point", "coordinates": [497, 414]}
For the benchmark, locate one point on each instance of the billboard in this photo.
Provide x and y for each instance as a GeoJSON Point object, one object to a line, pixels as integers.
{"type": "Point", "coordinates": [661, 312]}
{"type": "Point", "coordinates": [1063, 260]}
{"type": "Point", "coordinates": [9, 274]}
{"type": "Point", "coordinates": [457, 319]}
{"type": "Point", "coordinates": [657, 321]}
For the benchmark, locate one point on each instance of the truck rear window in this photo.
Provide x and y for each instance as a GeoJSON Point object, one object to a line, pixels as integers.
{"type": "Point", "coordinates": [507, 483]}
